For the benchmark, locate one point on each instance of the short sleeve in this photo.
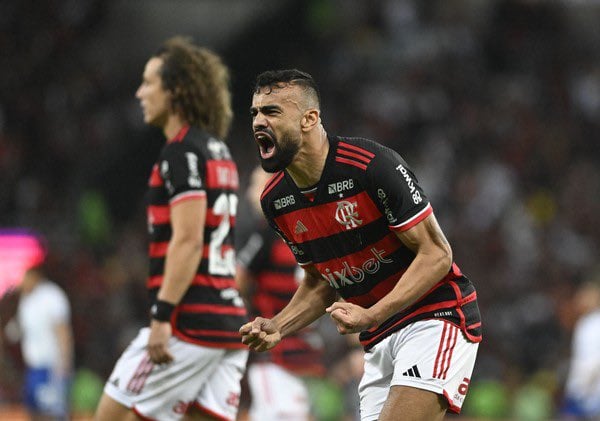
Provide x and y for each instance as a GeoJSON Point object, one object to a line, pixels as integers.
{"type": "Point", "coordinates": [58, 306]}
{"type": "Point", "coordinates": [396, 190]}
{"type": "Point", "coordinates": [182, 168]}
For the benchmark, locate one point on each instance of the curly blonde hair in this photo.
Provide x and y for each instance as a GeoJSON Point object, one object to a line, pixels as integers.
{"type": "Point", "coordinates": [199, 82]}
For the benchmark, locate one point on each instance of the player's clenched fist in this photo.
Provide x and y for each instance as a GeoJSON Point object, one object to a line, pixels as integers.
{"type": "Point", "coordinates": [350, 318]}
{"type": "Point", "coordinates": [260, 334]}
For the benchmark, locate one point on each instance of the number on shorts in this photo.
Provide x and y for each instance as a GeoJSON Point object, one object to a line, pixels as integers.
{"type": "Point", "coordinates": [464, 386]}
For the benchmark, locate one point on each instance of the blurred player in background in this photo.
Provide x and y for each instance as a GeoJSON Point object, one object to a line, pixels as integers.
{"type": "Point", "coordinates": [355, 217]}
{"type": "Point", "coordinates": [583, 383]}
{"type": "Point", "coordinates": [188, 363]}
{"type": "Point", "coordinates": [268, 277]}
{"type": "Point", "coordinates": [43, 326]}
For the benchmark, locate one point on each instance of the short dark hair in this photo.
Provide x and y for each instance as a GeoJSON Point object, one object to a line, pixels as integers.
{"type": "Point", "coordinates": [278, 78]}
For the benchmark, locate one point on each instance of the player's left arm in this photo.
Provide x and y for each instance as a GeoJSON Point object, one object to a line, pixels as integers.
{"type": "Point", "coordinates": [396, 191]}
{"type": "Point", "coordinates": [433, 259]}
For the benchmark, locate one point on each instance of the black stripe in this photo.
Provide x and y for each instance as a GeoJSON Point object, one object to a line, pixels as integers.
{"type": "Point", "coordinates": [416, 371]}
{"type": "Point", "coordinates": [346, 242]}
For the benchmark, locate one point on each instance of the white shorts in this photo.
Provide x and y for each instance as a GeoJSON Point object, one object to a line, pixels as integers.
{"type": "Point", "coordinates": [432, 355]}
{"type": "Point", "coordinates": [208, 378]}
{"type": "Point", "coordinates": [277, 394]}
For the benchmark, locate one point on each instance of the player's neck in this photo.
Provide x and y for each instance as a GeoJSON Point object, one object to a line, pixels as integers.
{"type": "Point", "coordinates": [173, 126]}
{"type": "Point", "coordinates": [308, 165]}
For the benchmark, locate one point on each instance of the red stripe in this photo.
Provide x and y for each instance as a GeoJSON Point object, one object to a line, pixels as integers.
{"type": "Point", "coordinates": [214, 220]}
{"type": "Point", "coordinates": [140, 415]}
{"type": "Point", "coordinates": [424, 309]}
{"type": "Point", "coordinates": [158, 249]}
{"type": "Point", "coordinates": [212, 309]}
{"type": "Point", "coordinates": [353, 155]}
{"type": "Point", "coordinates": [159, 214]}
{"type": "Point", "coordinates": [221, 174]}
{"type": "Point", "coordinates": [200, 280]}
{"type": "Point", "coordinates": [445, 361]}
{"type": "Point", "coordinates": [378, 291]}
{"type": "Point", "coordinates": [276, 282]}
{"type": "Point", "coordinates": [455, 339]}
{"type": "Point", "coordinates": [469, 336]}
{"type": "Point", "coordinates": [474, 326]}
{"type": "Point", "coordinates": [188, 195]}
{"type": "Point", "coordinates": [155, 178]}
{"type": "Point", "coordinates": [411, 222]}
{"type": "Point", "coordinates": [207, 411]}
{"type": "Point", "coordinates": [357, 149]}
{"type": "Point", "coordinates": [439, 353]}
{"type": "Point", "coordinates": [180, 135]}
{"type": "Point", "coordinates": [451, 406]}
{"type": "Point", "coordinates": [208, 343]}
{"type": "Point", "coordinates": [219, 333]}
{"type": "Point", "coordinates": [351, 162]}
{"type": "Point", "coordinates": [317, 219]}
{"type": "Point", "coordinates": [272, 183]}
{"type": "Point", "coordinates": [282, 255]}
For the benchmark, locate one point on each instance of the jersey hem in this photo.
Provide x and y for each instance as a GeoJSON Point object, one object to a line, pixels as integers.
{"type": "Point", "coordinates": [208, 344]}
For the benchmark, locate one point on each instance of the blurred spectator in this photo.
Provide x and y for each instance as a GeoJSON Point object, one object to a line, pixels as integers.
{"type": "Point", "coordinates": [582, 394]}
{"type": "Point", "coordinates": [43, 327]}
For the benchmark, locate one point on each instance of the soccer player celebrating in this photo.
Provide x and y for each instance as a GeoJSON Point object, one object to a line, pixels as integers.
{"type": "Point", "coordinates": [188, 362]}
{"type": "Point", "coordinates": [355, 217]}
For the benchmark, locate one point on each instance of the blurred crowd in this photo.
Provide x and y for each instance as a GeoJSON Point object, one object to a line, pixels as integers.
{"type": "Point", "coordinates": [495, 104]}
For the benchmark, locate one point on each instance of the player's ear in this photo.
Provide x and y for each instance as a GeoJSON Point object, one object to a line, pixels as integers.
{"type": "Point", "coordinates": [310, 119]}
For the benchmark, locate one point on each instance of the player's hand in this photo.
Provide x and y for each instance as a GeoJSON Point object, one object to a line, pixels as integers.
{"type": "Point", "coordinates": [261, 334]}
{"type": "Point", "coordinates": [160, 333]}
{"type": "Point", "coordinates": [350, 318]}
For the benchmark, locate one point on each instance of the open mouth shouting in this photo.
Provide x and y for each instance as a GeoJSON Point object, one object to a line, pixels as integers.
{"type": "Point", "coordinates": [266, 143]}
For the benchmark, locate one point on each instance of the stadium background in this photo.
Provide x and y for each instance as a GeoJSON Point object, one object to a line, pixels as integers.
{"type": "Point", "coordinates": [496, 104]}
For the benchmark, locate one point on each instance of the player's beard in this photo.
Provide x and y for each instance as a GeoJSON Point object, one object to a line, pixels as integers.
{"type": "Point", "coordinates": [286, 150]}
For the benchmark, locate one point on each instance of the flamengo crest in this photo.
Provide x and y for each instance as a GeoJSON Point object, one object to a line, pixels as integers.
{"type": "Point", "coordinates": [347, 215]}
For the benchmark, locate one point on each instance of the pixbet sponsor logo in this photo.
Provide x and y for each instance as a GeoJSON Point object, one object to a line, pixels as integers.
{"type": "Point", "coordinates": [350, 275]}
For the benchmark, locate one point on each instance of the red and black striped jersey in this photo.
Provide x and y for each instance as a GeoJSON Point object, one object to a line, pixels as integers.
{"type": "Point", "coordinates": [197, 165]}
{"type": "Point", "coordinates": [276, 276]}
{"type": "Point", "coordinates": [347, 230]}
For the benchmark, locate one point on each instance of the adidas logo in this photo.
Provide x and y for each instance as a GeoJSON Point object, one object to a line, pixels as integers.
{"type": "Point", "coordinates": [412, 372]}
{"type": "Point", "coordinates": [300, 227]}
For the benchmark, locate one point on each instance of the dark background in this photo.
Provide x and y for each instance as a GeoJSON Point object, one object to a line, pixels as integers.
{"type": "Point", "coordinates": [495, 104]}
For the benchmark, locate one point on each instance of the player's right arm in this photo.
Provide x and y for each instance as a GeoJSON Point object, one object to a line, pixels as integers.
{"type": "Point", "coordinates": [309, 302]}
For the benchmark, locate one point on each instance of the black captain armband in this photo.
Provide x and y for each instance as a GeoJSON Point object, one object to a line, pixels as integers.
{"type": "Point", "coordinates": [162, 311]}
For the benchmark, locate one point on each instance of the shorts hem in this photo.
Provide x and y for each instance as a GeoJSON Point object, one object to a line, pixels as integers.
{"type": "Point", "coordinates": [117, 396]}
{"type": "Point", "coordinates": [420, 385]}
{"type": "Point", "coordinates": [210, 412]}
{"type": "Point", "coordinates": [432, 388]}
